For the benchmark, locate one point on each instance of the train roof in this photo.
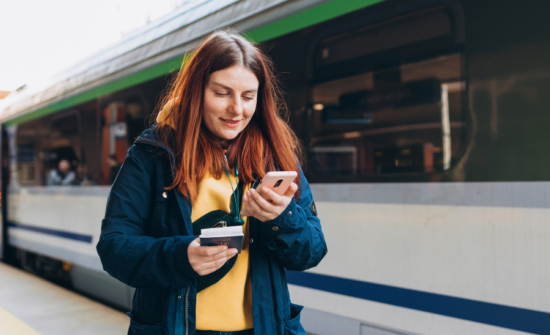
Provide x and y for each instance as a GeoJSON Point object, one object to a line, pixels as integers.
{"type": "Point", "coordinates": [150, 51]}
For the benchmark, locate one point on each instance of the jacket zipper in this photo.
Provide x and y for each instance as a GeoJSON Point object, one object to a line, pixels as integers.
{"type": "Point", "coordinates": [187, 310]}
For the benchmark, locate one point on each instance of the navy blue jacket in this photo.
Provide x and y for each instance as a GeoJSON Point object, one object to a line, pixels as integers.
{"type": "Point", "coordinates": [146, 232]}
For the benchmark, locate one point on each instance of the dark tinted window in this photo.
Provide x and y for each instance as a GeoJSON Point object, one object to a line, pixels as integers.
{"type": "Point", "coordinates": [403, 119]}
{"type": "Point", "coordinates": [385, 99]}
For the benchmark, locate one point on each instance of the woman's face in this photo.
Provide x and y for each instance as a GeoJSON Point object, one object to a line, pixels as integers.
{"type": "Point", "coordinates": [230, 99]}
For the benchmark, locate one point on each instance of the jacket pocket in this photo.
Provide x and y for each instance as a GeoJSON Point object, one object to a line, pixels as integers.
{"type": "Point", "coordinates": [293, 326]}
{"type": "Point", "coordinates": [139, 329]}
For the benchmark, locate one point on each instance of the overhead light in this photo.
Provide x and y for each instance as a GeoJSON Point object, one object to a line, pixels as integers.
{"type": "Point", "coordinates": [318, 107]}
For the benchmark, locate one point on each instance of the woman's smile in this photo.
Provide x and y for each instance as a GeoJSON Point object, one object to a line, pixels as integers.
{"type": "Point", "coordinates": [231, 123]}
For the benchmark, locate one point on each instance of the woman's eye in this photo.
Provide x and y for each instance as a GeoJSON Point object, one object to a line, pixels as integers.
{"type": "Point", "coordinates": [221, 94]}
{"type": "Point", "coordinates": [248, 98]}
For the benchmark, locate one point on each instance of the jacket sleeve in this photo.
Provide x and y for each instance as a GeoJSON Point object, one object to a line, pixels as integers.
{"type": "Point", "coordinates": [295, 236]}
{"type": "Point", "coordinates": [125, 249]}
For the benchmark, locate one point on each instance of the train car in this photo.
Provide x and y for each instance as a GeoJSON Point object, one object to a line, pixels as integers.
{"type": "Point", "coordinates": [425, 127]}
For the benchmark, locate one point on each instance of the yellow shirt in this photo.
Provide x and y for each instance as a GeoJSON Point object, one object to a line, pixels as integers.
{"type": "Point", "coordinates": [226, 305]}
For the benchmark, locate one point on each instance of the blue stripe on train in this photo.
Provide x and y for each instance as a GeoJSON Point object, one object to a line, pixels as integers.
{"type": "Point", "coordinates": [54, 232]}
{"type": "Point", "coordinates": [492, 314]}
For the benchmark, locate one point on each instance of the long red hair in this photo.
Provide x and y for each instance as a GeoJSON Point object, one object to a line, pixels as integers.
{"type": "Point", "coordinates": [266, 144]}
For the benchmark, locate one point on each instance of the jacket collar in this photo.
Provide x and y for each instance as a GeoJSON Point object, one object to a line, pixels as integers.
{"type": "Point", "coordinates": [148, 136]}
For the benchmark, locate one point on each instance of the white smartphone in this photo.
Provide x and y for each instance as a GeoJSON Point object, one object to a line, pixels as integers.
{"type": "Point", "coordinates": [278, 181]}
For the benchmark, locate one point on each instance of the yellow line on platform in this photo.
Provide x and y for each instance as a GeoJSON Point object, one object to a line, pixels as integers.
{"type": "Point", "coordinates": [10, 325]}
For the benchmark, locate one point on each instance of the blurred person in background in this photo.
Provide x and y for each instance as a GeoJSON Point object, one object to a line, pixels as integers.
{"type": "Point", "coordinates": [62, 175]}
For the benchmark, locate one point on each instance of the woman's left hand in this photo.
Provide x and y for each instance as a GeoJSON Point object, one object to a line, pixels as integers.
{"type": "Point", "coordinates": [266, 205]}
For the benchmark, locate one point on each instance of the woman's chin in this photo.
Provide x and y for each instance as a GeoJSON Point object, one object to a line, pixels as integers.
{"type": "Point", "coordinates": [228, 135]}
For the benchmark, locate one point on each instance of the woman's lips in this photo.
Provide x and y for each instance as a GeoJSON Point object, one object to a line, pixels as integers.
{"type": "Point", "coordinates": [231, 123]}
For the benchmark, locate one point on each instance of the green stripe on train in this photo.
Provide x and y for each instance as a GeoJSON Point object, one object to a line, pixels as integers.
{"type": "Point", "coordinates": [312, 16]}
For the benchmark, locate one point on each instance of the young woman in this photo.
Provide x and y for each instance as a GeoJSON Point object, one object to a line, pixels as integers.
{"type": "Point", "coordinates": [221, 130]}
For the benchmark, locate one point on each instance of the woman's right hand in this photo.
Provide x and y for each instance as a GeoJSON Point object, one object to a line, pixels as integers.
{"type": "Point", "coordinates": [205, 260]}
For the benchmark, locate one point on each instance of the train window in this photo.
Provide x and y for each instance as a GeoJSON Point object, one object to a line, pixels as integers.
{"type": "Point", "coordinates": [385, 99]}
{"type": "Point", "coordinates": [84, 146]}
{"type": "Point", "coordinates": [402, 119]}
{"type": "Point", "coordinates": [53, 150]}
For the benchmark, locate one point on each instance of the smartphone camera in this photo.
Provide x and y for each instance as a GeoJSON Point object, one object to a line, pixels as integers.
{"type": "Point", "coordinates": [278, 183]}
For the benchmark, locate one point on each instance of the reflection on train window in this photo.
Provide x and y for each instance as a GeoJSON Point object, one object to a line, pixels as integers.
{"type": "Point", "coordinates": [84, 146]}
{"type": "Point", "coordinates": [403, 119]}
{"type": "Point", "coordinates": [122, 121]}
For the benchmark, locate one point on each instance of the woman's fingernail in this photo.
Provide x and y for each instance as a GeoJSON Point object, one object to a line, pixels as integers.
{"type": "Point", "coordinates": [224, 248]}
{"type": "Point", "coordinates": [264, 189]}
{"type": "Point", "coordinates": [234, 252]}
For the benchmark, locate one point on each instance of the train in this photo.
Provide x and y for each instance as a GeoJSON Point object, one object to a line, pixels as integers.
{"type": "Point", "coordinates": [425, 126]}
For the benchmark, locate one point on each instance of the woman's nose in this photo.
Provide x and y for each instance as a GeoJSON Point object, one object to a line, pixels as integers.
{"type": "Point", "coordinates": [236, 106]}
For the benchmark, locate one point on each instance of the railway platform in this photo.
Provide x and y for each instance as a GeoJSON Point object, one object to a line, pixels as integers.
{"type": "Point", "coordinates": [33, 306]}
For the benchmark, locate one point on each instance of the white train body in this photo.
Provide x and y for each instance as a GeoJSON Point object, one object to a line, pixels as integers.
{"type": "Point", "coordinates": [477, 241]}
